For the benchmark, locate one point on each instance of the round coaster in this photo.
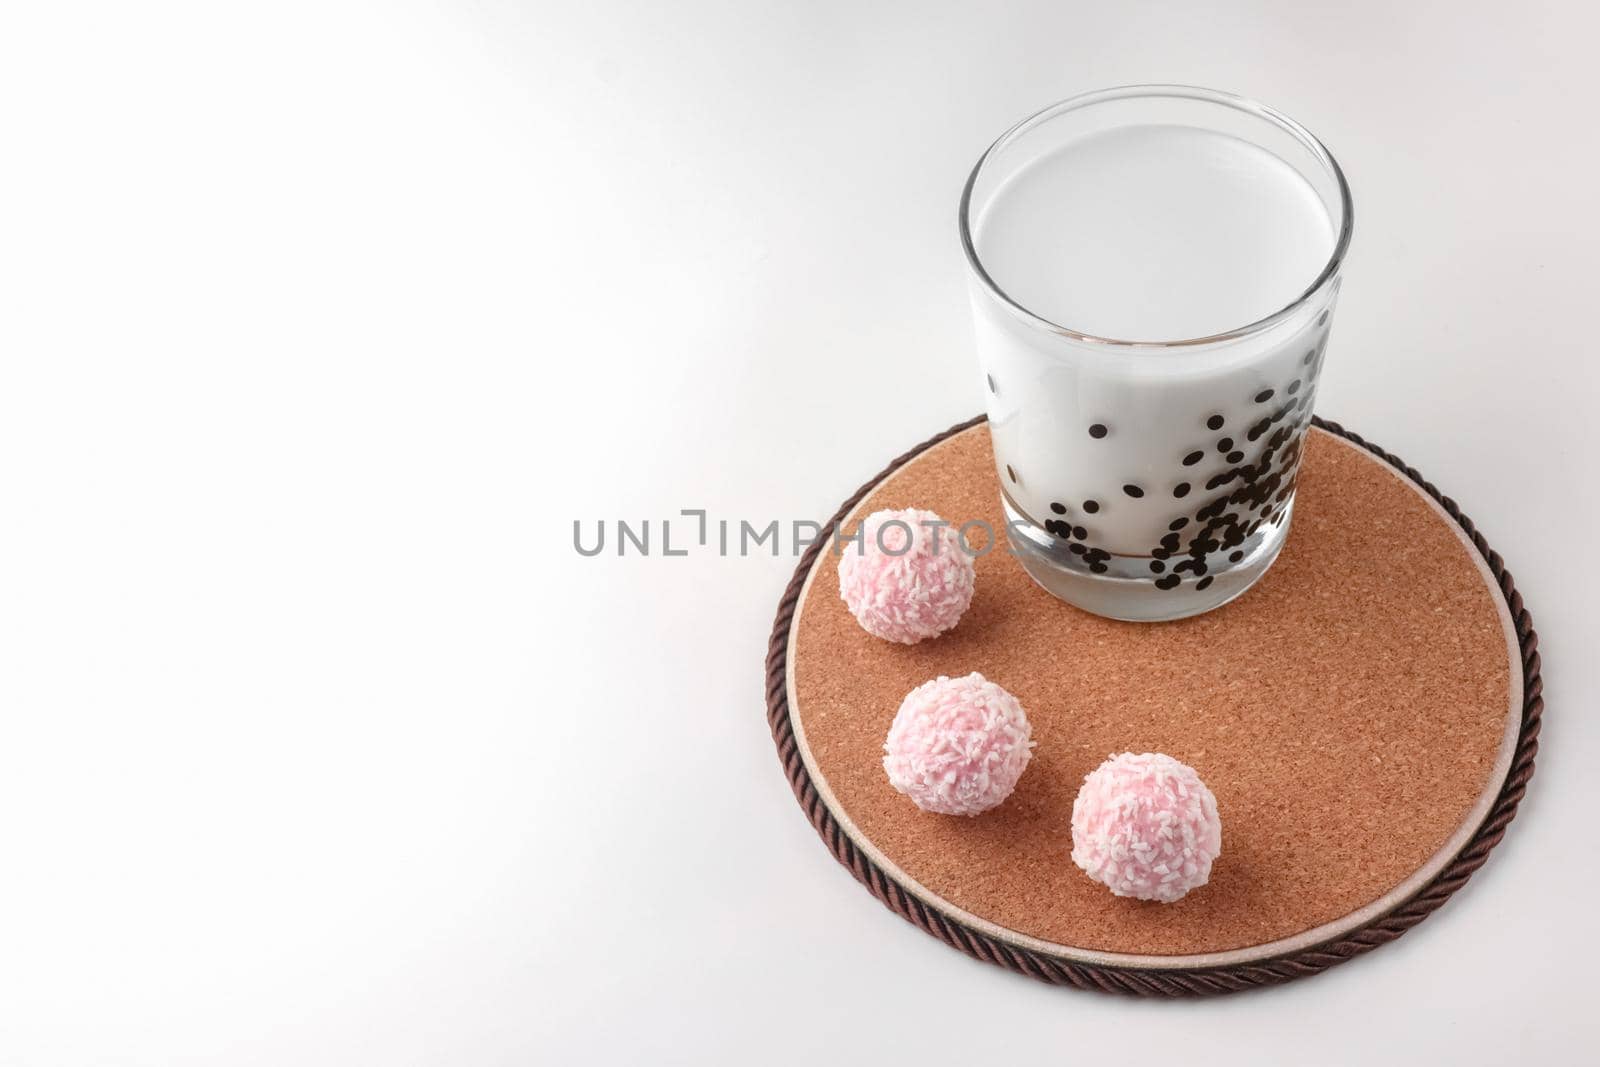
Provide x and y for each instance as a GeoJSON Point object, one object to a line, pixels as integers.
{"type": "Point", "coordinates": [1366, 716]}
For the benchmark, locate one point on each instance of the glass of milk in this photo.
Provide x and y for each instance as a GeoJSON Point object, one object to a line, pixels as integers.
{"type": "Point", "coordinates": [1153, 274]}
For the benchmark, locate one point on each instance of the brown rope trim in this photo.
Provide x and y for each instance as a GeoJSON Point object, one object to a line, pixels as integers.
{"type": "Point", "coordinates": [1161, 983]}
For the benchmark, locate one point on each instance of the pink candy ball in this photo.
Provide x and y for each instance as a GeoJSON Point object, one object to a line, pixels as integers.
{"type": "Point", "coordinates": [1146, 826]}
{"type": "Point", "coordinates": [902, 591]}
{"type": "Point", "coordinates": [957, 745]}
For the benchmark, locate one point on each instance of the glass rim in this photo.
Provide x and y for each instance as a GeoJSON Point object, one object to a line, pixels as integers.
{"type": "Point", "coordinates": [1188, 92]}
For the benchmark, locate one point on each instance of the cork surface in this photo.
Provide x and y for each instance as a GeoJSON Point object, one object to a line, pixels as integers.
{"type": "Point", "coordinates": [1347, 712]}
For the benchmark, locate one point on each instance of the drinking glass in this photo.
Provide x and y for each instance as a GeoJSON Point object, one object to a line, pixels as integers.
{"type": "Point", "coordinates": [1149, 477]}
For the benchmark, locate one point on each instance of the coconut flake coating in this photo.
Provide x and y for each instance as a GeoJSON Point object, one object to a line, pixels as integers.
{"type": "Point", "coordinates": [906, 592]}
{"type": "Point", "coordinates": [1146, 826]}
{"type": "Point", "coordinates": [958, 745]}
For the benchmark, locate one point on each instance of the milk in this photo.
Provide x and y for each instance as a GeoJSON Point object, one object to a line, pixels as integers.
{"type": "Point", "coordinates": [1160, 466]}
{"type": "Point", "coordinates": [1155, 233]}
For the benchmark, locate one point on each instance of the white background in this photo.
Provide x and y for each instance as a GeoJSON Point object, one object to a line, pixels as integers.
{"type": "Point", "coordinates": [320, 322]}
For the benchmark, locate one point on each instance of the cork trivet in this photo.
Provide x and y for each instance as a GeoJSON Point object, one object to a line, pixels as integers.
{"type": "Point", "coordinates": [1365, 716]}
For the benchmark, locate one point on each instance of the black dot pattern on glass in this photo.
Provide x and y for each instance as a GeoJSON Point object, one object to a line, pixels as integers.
{"type": "Point", "coordinates": [1011, 474]}
{"type": "Point", "coordinates": [1177, 524]}
{"type": "Point", "coordinates": [992, 388]}
{"type": "Point", "coordinates": [1059, 509]}
{"type": "Point", "coordinates": [1322, 319]}
{"type": "Point", "coordinates": [1180, 490]}
{"type": "Point", "coordinates": [1214, 422]}
{"type": "Point", "coordinates": [1193, 457]}
{"type": "Point", "coordinates": [1234, 457]}
{"type": "Point", "coordinates": [1098, 567]}
{"type": "Point", "coordinates": [1235, 557]}
{"type": "Point", "coordinates": [1157, 566]}
{"type": "Point", "coordinates": [1080, 533]}
{"type": "Point", "coordinates": [1171, 581]}
{"type": "Point", "coordinates": [1133, 491]}
{"type": "Point", "coordinates": [1098, 430]}
{"type": "Point", "coordinates": [1311, 354]}
{"type": "Point", "coordinates": [1091, 506]}
{"type": "Point", "coordinates": [1204, 583]}
{"type": "Point", "coordinates": [1294, 387]}
{"type": "Point", "coordinates": [1264, 396]}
